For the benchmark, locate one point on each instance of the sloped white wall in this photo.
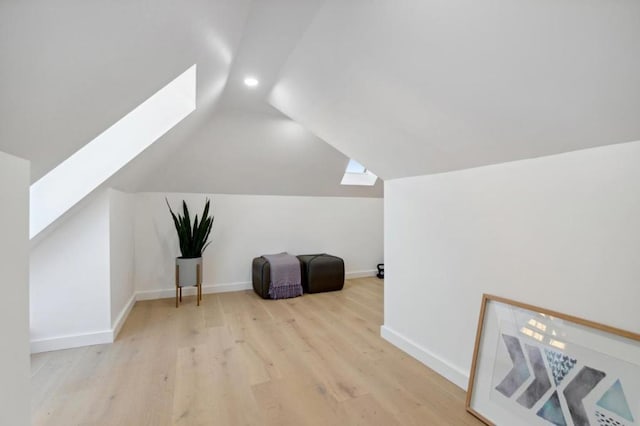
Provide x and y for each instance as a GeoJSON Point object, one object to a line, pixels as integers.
{"type": "Point", "coordinates": [561, 232]}
{"type": "Point", "coordinates": [422, 86]}
{"type": "Point", "coordinates": [126, 52]}
{"type": "Point", "coordinates": [253, 153]}
{"type": "Point", "coordinates": [14, 282]}
{"type": "Point", "coordinates": [89, 167]}
{"type": "Point", "coordinates": [69, 281]}
{"type": "Point", "coordinates": [247, 226]}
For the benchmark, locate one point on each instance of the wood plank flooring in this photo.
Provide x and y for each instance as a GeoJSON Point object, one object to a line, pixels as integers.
{"type": "Point", "coordinates": [241, 360]}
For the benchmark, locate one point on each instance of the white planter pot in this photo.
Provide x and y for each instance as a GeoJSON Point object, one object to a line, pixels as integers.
{"type": "Point", "coordinates": [188, 271]}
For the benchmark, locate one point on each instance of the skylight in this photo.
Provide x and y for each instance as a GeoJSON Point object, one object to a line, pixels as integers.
{"type": "Point", "coordinates": [357, 174]}
{"type": "Point", "coordinates": [355, 167]}
{"type": "Point", "coordinates": [73, 179]}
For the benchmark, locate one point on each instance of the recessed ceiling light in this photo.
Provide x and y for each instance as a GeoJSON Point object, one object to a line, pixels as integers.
{"type": "Point", "coordinates": [251, 81]}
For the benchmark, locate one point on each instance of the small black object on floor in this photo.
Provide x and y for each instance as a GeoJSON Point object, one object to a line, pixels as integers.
{"type": "Point", "coordinates": [380, 273]}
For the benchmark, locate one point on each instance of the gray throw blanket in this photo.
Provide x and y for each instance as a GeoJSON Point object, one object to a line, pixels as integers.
{"type": "Point", "coordinates": [285, 276]}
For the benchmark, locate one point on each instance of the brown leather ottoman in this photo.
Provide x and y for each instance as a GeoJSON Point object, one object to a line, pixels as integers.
{"type": "Point", "coordinates": [261, 276]}
{"type": "Point", "coordinates": [321, 272]}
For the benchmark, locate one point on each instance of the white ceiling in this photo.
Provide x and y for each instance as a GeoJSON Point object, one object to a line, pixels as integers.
{"type": "Point", "coordinates": [405, 88]}
{"type": "Point", "coordinates": [426, 86]}
{"type": "Point", "coordinates": [252, 153]}
{"type": "Point", "coordinates": [271, 32]}
{"type": "Point", "coordinates": [70, 69]}
{"type": "Point", "coordinates": [76, 68]}
{"type": "Point", "coordinates": [246, 146]}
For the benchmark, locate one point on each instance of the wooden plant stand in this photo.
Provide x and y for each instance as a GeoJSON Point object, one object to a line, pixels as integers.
{"type": "Point", "coordinates": [198, 285]}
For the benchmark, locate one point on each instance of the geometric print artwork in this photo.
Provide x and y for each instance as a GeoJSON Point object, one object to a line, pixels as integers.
{"type": "Point", "coordinates": [519, 373]}
{"type": "Point", "coordinates": [560, 365]}
{"type": "Point", "coordinates": [552, 411]}
{"type": "Point", "coordinates": [615, 401]}
{"type": "Point", "coordinates": [580, 386]}
{"type": "Point", "coordinates": [604, 420]}
{"type": "Point", "coordinates": [540, 385]}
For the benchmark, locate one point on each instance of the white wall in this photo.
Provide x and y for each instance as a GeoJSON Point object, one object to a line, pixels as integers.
{"type": "Point", "coordinates": [121, 248]}
{"type": "Point", "coordinates": [561, 232]}
{"type": "Point", "coordinates": [247, 226]}
{"type": "Point", "coordinates": [70, 280]}
{"type": "Point", "coordinates": [14, 315]}
{"type": "Point", "coordinates": [115, 248]}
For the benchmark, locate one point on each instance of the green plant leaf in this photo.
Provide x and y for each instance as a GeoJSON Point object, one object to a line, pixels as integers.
{"type": "Point", "coordinates": [193, 239]}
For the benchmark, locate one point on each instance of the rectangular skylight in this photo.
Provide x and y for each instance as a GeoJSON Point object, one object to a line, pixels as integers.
{"type": "Point", "coordinates": [357, 174]}
{"type": "Point", "coordinates": [94, 163]}
{"type": "Point", "coordinates": [355, 167]}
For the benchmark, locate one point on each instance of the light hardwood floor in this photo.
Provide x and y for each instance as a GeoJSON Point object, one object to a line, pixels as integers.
{"type": "Point", "coordinates": [241, 360]}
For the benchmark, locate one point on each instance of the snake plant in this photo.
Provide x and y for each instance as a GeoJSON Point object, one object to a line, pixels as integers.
{"type": "Point", "coordinates": [193, 239]}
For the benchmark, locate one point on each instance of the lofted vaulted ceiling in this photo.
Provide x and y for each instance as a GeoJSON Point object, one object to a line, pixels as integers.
{"type": "Point", "coordinates": [264, 154]}
{"type": "Point", "coordinates": [70, 69]}
{"type": "Point", "coordinates": [425, 86]}
{"type": "Point", "coordinates": [247, 146]}
{"type": "Point", "coordinates": [406, 88]}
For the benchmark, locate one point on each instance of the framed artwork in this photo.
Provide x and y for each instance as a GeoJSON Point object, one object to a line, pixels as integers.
{"type": "Point", "coordinates": [533, 366]}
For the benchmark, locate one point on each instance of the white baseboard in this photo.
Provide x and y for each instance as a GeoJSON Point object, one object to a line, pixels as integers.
{"type": "Point", "coordinates": [428, 358]}
{"type": "Point", "coordinates": [227, 288]}
{"type": "Point", "coordinates": [187, 291]}
{"type": "Point", "coordinates": [71, 341]}
{"type": "Point", "coordinates": [122, 317]}
{"type": "Point", "coordinates": [361, 274]}
{"type": "Point", "coordinates": [166, 293]}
